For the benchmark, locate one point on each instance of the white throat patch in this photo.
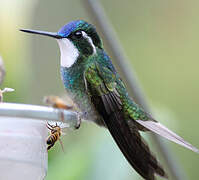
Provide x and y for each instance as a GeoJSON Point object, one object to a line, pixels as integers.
{"type": "Point", "coordinates": [69, 53]}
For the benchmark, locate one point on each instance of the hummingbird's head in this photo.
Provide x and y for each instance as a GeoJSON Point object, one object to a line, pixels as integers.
{"type": "Point", "coordinates": [78, 40]}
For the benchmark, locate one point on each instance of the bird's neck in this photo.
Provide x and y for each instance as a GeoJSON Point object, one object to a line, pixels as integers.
{"type": "Point", "coordinates": [72, 77]}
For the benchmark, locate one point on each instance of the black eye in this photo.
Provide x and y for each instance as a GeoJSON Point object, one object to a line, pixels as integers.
{"type": "Point", "coordinates": [78, 34]}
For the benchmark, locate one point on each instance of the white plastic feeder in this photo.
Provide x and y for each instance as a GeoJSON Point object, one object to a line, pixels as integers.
{"type": "Point", "coordinates": [23, 133]}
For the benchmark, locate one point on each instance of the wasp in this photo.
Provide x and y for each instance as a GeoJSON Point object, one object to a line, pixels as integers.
{"type": "Point", "coordinates": [59, 103]}
{"type": "Point", "coordinates": [55, 134]}
{"type": "Point", "coordinates": [56, 102]}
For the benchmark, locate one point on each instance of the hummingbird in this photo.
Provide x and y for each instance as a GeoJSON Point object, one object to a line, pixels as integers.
{"type": "Point", "coordinates": [94, 85]}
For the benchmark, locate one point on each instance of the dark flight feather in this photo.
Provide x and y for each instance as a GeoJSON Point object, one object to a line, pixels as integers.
{"type": "Point", "coordinates": [128, 140]}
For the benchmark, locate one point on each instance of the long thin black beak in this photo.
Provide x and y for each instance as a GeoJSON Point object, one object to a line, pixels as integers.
{"type": "Point", "coordinates": [44, 33]}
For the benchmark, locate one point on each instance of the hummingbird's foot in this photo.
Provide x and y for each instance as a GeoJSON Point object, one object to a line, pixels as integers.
{"type": "Point", "coordinates": [78, 125]}
{"type": "Point", "coordinates": [80, 117]}
{"type": "Point", "coordinates": [79, 120]}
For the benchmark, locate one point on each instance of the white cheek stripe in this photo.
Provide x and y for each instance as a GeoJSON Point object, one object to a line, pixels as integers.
{"type": "Point", "coordinates": [90, 41]}
{"type": "Point", "coordinates": [69, 53]}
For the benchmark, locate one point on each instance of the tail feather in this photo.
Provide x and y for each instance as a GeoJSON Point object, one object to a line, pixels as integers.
{"type": "Point", "coordinates": [161, 130]}
{"type": "Point", "coordinates": [128, 138]}
{"type": "Point", "coordinates": [134, 148]}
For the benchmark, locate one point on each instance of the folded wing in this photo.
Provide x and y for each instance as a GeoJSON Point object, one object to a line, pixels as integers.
{"type": "Point", "coordinates": [106, 99]}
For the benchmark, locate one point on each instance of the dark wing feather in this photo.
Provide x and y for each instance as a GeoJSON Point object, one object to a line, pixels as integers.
{"type": "Point", "coordinates": [108, 103]}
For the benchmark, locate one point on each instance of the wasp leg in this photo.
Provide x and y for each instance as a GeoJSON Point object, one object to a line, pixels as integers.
{"type": "Point", "coordinates": [49, 126]}
{"type": "Point", "coordinates": [62, 146]}
{"type": "Point", "coordinates": [61, 114]}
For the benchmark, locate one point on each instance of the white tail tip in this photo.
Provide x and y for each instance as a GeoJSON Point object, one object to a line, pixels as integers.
{"type": "Point", "coordinates": [161, 130]}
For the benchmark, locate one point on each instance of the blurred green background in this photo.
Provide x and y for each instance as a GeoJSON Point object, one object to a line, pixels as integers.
{"type": "Point", "coordinates": [160, 38]}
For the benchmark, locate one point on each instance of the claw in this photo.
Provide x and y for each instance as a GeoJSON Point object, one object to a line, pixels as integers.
{"type": "Point", "coordinates": [79, 120]}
